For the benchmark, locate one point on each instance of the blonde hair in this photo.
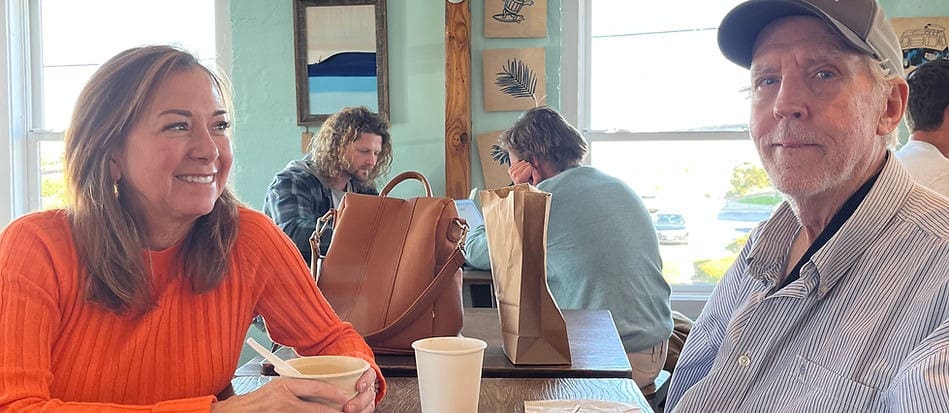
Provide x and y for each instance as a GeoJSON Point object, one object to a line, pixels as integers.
{"type": "Point", "coordinates": [109, 240]}
{"type": "Point", "coordinates": [339, 132]}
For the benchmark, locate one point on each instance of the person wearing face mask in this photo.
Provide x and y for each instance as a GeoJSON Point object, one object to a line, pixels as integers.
{"type": "Point", "coordinates": [137, 295]}
{"type": "Point", "coordinates": [352, 150]}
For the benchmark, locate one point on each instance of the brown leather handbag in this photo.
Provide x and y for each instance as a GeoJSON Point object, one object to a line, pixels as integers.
{"type": "Point", "coordinates": [393, 268]}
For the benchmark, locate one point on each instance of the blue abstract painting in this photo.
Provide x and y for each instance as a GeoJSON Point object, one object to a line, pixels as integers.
{"type": "Point", "coordinates": [343, 79]}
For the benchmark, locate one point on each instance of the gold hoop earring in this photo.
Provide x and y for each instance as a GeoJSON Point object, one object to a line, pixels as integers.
{"type": "Point", "coordinates": [115, 189]}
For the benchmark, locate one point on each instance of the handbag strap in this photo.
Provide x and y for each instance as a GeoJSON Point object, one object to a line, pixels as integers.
{"type": "Point", "coordinates": [404, 176]}
{"type": "Point", "coordinates": [424, 300]}
{"type": "Point", "coordinates": [322, 224]}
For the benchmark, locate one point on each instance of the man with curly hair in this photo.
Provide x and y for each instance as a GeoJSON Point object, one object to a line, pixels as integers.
{"type": "Point", "coordinates": [352, 149]}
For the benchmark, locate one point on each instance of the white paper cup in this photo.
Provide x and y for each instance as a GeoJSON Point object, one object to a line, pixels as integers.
{"type": "Point", "coordinates": [340, 371]}
{"type": "Point", "coordinates": [449, 373]}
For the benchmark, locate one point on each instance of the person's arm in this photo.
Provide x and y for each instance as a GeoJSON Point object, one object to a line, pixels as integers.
{"type": "Point", "coordinates": [29, 319]}
{"type": "Point", "coordinates": [35, 277]}
{"type": "Point", "coordinates": [296, 313]}
{"type": "Point", "coordinates": [922, 382]}
{"type": "Point", "coordinates": [476, 249]}
{"type": "Point", "coordinates": [294, 202]}
{"type": "Point", "coordinates": [29, 324]}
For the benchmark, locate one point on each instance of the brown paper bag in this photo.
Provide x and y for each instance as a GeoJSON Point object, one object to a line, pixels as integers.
{"type": "Point", "coordinates": [533, 329]}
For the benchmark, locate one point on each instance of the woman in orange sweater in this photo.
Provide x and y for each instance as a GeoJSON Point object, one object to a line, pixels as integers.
{"type": "Point", "coordinates": [137, 296]}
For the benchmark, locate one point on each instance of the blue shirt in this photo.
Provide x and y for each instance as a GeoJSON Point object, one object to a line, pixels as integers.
{"type": "Point", "coordinates": [864, 328]}
{"type": "Point", "coordinates": [602, 253]}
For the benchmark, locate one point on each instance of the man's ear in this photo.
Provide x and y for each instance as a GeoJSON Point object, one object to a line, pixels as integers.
{"type": "Point", "coordinates": [895, 107]}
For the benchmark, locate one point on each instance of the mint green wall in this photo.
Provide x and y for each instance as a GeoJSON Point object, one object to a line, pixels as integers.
{"type": "Point", "coordinates": [266, 133]}
{"type": "Point", "coordinates": [917, 8]}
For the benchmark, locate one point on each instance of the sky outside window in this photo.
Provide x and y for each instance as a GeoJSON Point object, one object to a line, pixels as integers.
{"type": "Point", "coordinates": [656, 67]}
{"type": "Point", "coordinates": [78, 36]}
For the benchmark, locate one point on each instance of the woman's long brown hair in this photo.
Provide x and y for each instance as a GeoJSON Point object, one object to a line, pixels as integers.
{"type": "Point", "coordinates": [110, 242]}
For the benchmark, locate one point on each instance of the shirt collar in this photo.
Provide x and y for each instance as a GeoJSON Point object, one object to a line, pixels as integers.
{"type": "Point", "coordinates": [865, 226]}
{"type": "Point", "coordinates": [772, 239]}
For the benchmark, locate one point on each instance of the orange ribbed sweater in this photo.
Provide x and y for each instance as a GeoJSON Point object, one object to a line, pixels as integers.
{"type": "Point", "coordinates": [59, 352]}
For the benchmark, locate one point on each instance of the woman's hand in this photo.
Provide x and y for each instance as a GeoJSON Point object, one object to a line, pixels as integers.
{"type": "Point", "coordinates": [285, 395]}
{"type": "Point", "coordinates": [365, 399]}
{"type": "Point", "coordinates": [522, 171]}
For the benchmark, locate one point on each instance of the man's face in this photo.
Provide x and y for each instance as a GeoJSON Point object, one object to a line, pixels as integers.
{"type": "Point", "coordinates": [815, 109]}
{"type": "Point", "coordinates": [362, 156]}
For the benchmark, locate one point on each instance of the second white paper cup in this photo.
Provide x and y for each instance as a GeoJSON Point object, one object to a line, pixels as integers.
{"type": "Point", "coordinates": [449, 373]}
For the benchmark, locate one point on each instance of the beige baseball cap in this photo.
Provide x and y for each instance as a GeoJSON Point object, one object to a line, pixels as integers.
{"type": "Point", "coordinates": [860, 23]}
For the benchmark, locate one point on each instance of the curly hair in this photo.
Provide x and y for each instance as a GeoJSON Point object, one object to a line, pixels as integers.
{"type": "Point", "coordinates": [542, 133]}
{"type": "Point", "coordinates": [329, 146]}
{"type": "Point", "coordinates": [106, 234]}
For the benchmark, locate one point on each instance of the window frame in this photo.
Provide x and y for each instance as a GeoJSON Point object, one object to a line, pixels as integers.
{"type": "Point", "coordinates": [15, 109]}
{"type": "Point", "coordinates": [34, 136]}
{"type": "Point", "coordinates": [576, 37]}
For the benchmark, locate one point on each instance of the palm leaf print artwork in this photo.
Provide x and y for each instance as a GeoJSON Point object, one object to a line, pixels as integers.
{"type": "Point", "coordinates": [517, 80]}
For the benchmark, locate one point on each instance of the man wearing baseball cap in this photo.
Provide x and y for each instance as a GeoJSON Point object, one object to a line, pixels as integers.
{"type": "Point", "coordinates": [839, 301]}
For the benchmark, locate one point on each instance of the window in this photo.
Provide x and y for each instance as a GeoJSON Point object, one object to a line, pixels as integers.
{"type": "Point", "coordinates": [65, 42]}
{"type": "Point", "coordinates": [666, 113]}
{"type": "Point", "coordinates": [655, 66]}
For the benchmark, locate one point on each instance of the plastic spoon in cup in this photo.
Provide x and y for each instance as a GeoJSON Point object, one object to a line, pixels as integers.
{"type": "Point", "coordinates": [271, 357]}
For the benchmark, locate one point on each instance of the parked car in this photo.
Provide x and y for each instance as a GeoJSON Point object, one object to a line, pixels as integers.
{"type": "Point", "coordinates": [670, 228]}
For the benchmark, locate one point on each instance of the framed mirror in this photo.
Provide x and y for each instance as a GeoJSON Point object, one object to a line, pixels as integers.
{"type": "Point", "coordinates": [341, 58]}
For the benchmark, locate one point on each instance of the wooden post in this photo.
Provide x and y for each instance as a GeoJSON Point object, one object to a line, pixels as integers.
{"type": "Point", "coordinates": [457, 99]}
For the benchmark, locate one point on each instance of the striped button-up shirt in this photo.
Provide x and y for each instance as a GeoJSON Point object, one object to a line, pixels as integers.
{"type": "Point", "coordinates": [864, 328]}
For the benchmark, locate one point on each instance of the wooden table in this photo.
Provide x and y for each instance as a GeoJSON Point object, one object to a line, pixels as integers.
{"type": "Point", "coordinates": [497, 394]}
{"type": "Point", "coordinates": [595, 349]}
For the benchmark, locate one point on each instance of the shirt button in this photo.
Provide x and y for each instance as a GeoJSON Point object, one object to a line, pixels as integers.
{"type": "Point", "coordinates": [744, 361]}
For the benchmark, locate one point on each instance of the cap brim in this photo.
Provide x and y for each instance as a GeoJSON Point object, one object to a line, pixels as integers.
{"type": "Point", "coordinates": [740, 28]}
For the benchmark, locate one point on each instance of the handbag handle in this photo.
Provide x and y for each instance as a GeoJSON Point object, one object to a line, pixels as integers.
{"type": "Point", "coordinates": [424, 300]}
{"type": "Point", "coordinates": [322, 224]}
{"type": "Point", "coordinates": [404, 176]}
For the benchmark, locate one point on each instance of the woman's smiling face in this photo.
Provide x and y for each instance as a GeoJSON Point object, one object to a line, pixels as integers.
{"type": "Point", "coordinates": [176, 159]}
